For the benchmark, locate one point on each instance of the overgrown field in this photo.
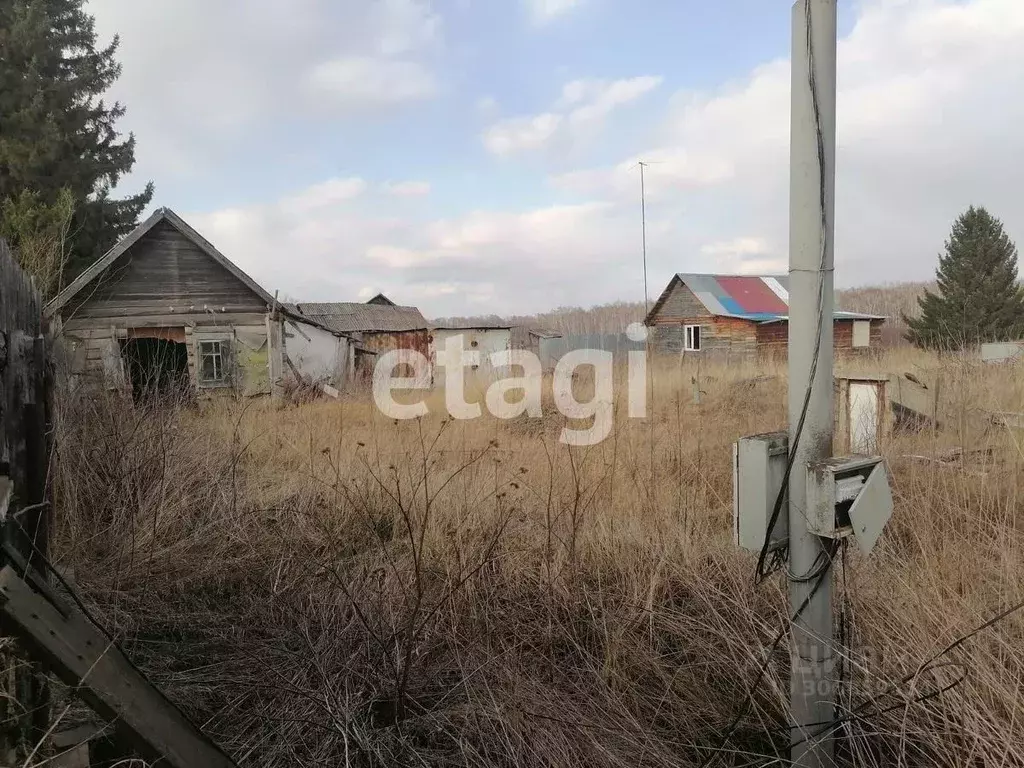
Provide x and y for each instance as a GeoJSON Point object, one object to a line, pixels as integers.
{"type": "Point", "coordinates": [320, 586]}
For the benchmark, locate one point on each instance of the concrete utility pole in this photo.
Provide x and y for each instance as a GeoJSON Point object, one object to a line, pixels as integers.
{"type": "Point", "coordinates": [811, 227]}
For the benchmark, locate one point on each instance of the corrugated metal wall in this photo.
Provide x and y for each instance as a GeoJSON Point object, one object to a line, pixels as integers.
{"type": "Point", "coordinates": [382, 343]}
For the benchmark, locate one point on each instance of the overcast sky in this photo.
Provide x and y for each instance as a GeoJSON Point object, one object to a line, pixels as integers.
{"type": "Point", "coordinates": [478, 156]}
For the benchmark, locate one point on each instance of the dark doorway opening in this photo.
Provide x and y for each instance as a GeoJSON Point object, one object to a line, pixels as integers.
{"type": "Point", "coordinates": [157, 368]}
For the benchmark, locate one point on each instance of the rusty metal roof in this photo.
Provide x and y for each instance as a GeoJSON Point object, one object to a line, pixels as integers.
{"type": "Point", "coordinates": [352, 316]}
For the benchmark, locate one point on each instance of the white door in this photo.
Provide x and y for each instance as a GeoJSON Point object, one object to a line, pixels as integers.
{"type": "Point", "coordinates": [863, 417]}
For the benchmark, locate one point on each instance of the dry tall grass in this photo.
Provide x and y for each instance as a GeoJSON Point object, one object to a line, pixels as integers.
{"type": "Point", "coordinates": [321, 586]}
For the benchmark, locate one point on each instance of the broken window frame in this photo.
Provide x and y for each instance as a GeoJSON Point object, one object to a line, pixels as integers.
{"type": "Point", "coordinates": [691, 338]}
{"type": "Point", "coordinates": [221, 357]}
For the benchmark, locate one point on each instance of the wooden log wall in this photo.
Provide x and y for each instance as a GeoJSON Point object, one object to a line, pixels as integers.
{"type": "Point", "coordinates": [25, 386]}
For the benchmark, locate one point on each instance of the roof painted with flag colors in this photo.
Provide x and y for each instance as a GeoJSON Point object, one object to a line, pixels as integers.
{"type": "Point", "coordinates": [759, 298]}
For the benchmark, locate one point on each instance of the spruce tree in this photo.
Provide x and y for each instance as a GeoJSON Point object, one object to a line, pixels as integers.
{"type": "Point", "coordinates": [57, 135]}
{"type": "Point", "coordinates": [978, 297]}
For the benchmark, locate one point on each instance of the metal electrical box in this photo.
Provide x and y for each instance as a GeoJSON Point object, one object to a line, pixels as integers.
{"type": "Point", "coordinates": [759, 468]}
{"type": "Point", "coordinates": [849, 495]}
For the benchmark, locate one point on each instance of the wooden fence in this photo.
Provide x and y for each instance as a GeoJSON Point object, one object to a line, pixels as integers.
{"type": "Point", "coordinates": [52, 637]}
{"type": "Point", "coordinates": [25, 386]}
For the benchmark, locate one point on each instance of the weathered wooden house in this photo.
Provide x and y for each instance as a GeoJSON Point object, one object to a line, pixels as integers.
{"type": "Point", "coordinates": [165, 310]}
{"type": "Point", "coordinates": [741, 317]}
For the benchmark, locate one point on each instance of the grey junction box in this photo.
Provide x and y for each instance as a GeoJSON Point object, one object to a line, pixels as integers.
{"type": "Point", "coordinates": [849, 495]}
{"type": "Point", "coordinates": [846, 495]}
{"type": "Point", "coordinates": [759, 468]}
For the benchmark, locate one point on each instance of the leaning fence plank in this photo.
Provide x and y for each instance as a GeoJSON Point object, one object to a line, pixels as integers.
{"type": "Point", "coordinates": [5, 496]}
{"type": "Point", "coordinates": [87, 661]}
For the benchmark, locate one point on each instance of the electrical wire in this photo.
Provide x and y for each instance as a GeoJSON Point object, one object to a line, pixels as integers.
{"type": "Point", "coordinates": [762, 573]}
{"type": "Point", "coordinates": [823, 573]}
{"type": "Point", "coordinates": [820, 571]}
{"type": "Point", "coordinates": [846, 630]}
{"type": "Point", "coordinates": [856, 715]}
{"type": "Point", "coordinates": [926, 666]}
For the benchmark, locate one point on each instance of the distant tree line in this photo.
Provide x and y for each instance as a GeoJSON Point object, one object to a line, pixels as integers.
{"type": "Point", "coordinates": [603, 318]}
{"type": "Point", "coordinates": [892, 301]}
{"type": "Point", "coordinates": [975, 298]}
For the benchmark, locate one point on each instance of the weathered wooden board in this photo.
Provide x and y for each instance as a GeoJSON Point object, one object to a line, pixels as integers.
{"type": "Point", "coordinates": [71, 747]}
{"type": "Point", "coordinates": [6, 490]}
{"type": "Point", "coordinates": [24, 453]}
{"type": "Point", "coordinates": [88, 662]}
{"type": "Point", "coordinates": [164, 269]}
{"type": "Point", "coordinates": [20, 304]}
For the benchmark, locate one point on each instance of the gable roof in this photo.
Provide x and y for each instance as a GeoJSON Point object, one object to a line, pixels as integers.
{"type": "Point", "coordinates": [352, 316]}
{"type": "Point", "coordinates": [125, 244]}
{"type": "Point", "coordinates": [759, 298]}
{"type": "Point", "coordinates": [382, 300]}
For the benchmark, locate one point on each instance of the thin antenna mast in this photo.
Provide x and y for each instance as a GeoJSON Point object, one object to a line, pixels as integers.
{"type": "Point", "coordinates": [643, 233]}
{"type": "Point", "coordinates": [647, 311]}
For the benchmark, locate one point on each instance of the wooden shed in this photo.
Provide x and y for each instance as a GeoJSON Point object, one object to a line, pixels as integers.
{"type": "Point", "coordinates": [741, 317]}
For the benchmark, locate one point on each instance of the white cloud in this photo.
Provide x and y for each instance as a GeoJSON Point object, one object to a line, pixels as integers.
{"type": "Point", "coordinates": [927, 125]}
{"type": "Point", "coordinates": [392, 256]}
{"type": "Point", "coordinates": [744, 256]}
{"type": "Point", "coordinates": [406, 26]}
{"type": "Point", "coordinates": [354, 82]}
{"type": "Point", "coordinates": [561, 228]}
{"type": "Point", "coordinates": [544, 11]}
{"type": "Point", "coordinates": [594, 100]}
{"type": "Point", "coordinates": [521, 133]}
{"type": "Point", "coordinates": [198, 75]}
{"type": "Point", "coordinates": [323, 196]}
{"type": "Point", "coordinates": [583, 107]}
{"type": "Point", "coordinates": [323, 242]}
{"type": "Point", "coordinates": [407, 188]}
